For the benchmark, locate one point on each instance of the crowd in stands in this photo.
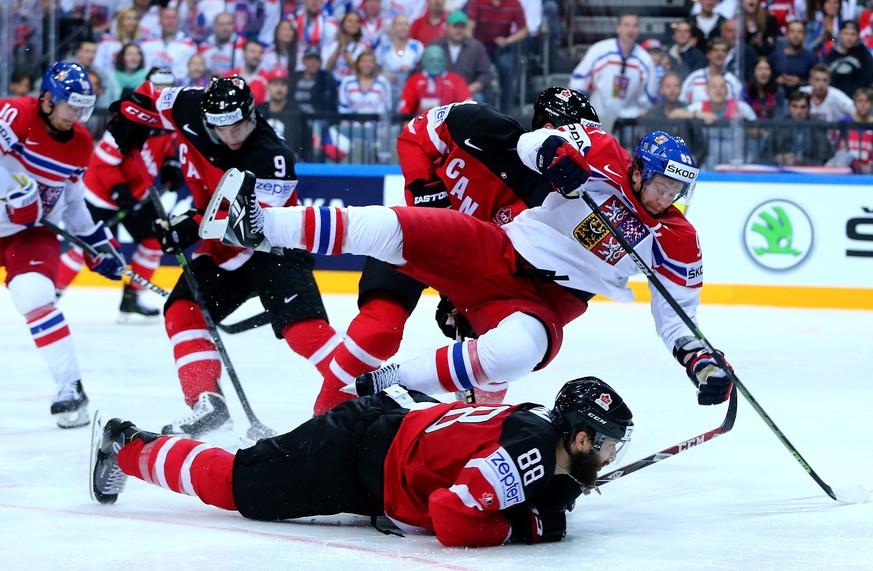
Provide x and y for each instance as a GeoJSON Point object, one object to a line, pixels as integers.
{"type": "Point", "coordinates": [390, 57]}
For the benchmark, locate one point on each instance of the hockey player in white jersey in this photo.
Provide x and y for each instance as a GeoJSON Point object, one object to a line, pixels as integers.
{"type": "Point", "coordinates": [521, 283]}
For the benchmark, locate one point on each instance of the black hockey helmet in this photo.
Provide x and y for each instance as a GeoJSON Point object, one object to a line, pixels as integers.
{"type": "Point", "coordinates": [589, 402]}
{"type": "Point", "coordinates": [227, 101]}
{"type": "Point", "coordinates": [562, 106]}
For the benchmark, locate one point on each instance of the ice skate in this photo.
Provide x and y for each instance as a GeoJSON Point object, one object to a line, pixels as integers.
{"type": "Point", "coordinates": [70, 407]}
{"type": "Point", "coordinates": [107, 479]}
{"type": "Point", "coordinates": [132, 311]}
{"type": "Point", "coordinates": [209, 413]}
{"type": "Point", "coordinates": [375, 381]}
{"type": "Point", "coordinates": [244, 224]}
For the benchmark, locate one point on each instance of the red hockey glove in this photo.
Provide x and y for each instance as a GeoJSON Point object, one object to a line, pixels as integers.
{"type": "Point", "coordinates": [562, 163]}
{"type": "Point", "coordinates": [431, 193]}
{"type": "Point", "coordinates": [108, 262]}
{"type": "Point", "coordinates": [23, 204]}
{"type": "Point", "coordinates": [711, 379]}
{"type": "Point", "coordinates": [529, 525]}
{"type": "Point", "coordinates": [133, 118]}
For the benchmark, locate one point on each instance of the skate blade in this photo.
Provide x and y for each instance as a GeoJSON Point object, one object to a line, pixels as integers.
{"type": "Point", "coordinates": [137, 319]}
{"type": "Point", "coordinates": [96, 438]}
{"type": "Point", "coordinates": [214, 228]}
{"type": "Point", "coordinates": [349, 389]}
{"type": "Point", "coordinates": [73, 418]}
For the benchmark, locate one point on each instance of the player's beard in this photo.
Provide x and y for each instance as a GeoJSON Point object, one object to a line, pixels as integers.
{"type": "Point", "coordinates": [584, 467]}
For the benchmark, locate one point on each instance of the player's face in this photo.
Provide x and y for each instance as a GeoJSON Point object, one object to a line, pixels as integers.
{"type": "Point", "coordinates": [659, 193]}
{"type": "Point", "coordinates": [235, 135]}
{"type": "Point", "coordinates": [62, 116]}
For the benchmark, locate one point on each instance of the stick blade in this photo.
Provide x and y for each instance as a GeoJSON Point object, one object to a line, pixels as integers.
{"type": "Point", "coordinates": [851, 495]}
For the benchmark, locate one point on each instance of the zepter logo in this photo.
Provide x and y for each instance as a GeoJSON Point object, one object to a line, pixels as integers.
{"type": "Point", "coordinates": [778, 235]}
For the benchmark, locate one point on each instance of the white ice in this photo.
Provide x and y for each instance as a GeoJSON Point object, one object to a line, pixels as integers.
{"type": "Point", "coordinates": [740, 501]}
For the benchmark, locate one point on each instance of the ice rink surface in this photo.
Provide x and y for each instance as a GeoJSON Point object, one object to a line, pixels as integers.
{"type": "Point", "coordinates": [740, 501]}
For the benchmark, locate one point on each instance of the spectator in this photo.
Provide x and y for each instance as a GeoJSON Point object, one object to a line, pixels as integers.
{"type": "Point", "coordinates": [21, 83]}
{"type": "Point", "coordinates": [687, 56]}
{"type": "Point", "coordinates": [198, 75]}
{"type": "Point", "coordinates": [786, 12]}
{"type": "Point", "coordinates": [130, 72]}
{"type": "Point", "coordinates": [706, 24]}
{"type": "Point", "coordinates": [432, 25]}
{"type": "Point", "coordinates": [856, 149]}
{"type": "Point", "coordinates": [798, 145]}
{"type": "Point", "coordinates": [618, 74]}
{"type": "Point", "coordinates": [223, 49]}
{"type": "Point", "coordinates": [283, 52]}
{"type": "Point", "coordinates": [197, 17]}
{"type": "Point", "coordinates": [821, 31]}
{"type": "Point", "coordinates": [850, 62]}
{"type": "Point", "coordinates": [761, 27]}
{"type": "Point", "coordinates": [726, 8]}
{"type": "Point", "coordinates": [662, 61]}
{"type": "Point", "coordinates": [314, 29]}
{"type": "Point", "coordinates": [398, 56]}
{"type": "Point", "coordinates": [277, 107]}
{"type": "Point", "coordinates": [172, 48]}
{"type": "Point", "coordinates": [741, 56]}
{"type": "Point", "coordinates": [149, 18]}
{"type": "Point", "coordinates": [250, 70]}
{"type": "Point", "coordinates": [433, 86]}
{"type": "Point", "coordinates": [499, 25]}
{"type": "Point", "coordinates": [668, 102]}
{"type": "Point", "coordinates": [311, 91]}
{"type": "Point", "coordinates": [126, 31]}
{"type": "Point", "coordinates": [466, 56]}
{"type": "Point", "coordinates": [340, 55]}
{"type": "Point", "coordinates": [723, 143]}
{"type": "Point", "coordinates": [373, 23]}
{"type": "Point", "coordinates": [865, 25]}
{"type": "Point", "coordinates": [763, 94]}
{"type": "Point", "coordinates": [694, 88]}
{"type": "Point", "coordinates": [255, 19]}
{"type": "Point", "coordinates": [366, 91]}
{"type": "Point", "coordinates": [792, 63]}
{"type": "Point", "coordinates": [86, 53]}
{"type": "Point", "coordinates": [554, 23]}
{"type": "Point", "coordinates": [827, 102]}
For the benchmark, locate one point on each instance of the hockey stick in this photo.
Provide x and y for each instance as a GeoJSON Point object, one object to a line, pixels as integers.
{"type": "Point", "coordinates": [852, 495]}
{"type": "Point", "coordinates": [73, 239]}
{"type": "Point", "coordinates": [257, 430]}
{"type": "Point", "coordinates": [246, 324]}
{"type": "Point", "coordinates": [726, 425]}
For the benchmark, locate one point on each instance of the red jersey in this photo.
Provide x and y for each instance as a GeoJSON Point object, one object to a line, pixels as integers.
{"type": "Point", "coordinates": [472, 148]}
{"type": "Point", "coordinates": [423, 92]}
{"type": "Point", "coordinates": [204, 162]}
{"type": "Point", "coordinates": [452, 467]}
{"type": "Point", "coordinates": [56, 165]}
{"type": "Point", "coordinates": [109, 168]}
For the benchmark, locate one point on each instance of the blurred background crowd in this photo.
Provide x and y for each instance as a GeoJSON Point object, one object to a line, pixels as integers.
{"type": "Point", "coordinates": [784, 83]}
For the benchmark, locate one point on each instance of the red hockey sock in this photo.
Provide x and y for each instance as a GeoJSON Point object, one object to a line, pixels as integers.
{"type": "Point", "coordinates": [145, 260]}
{"type": "Point", "coordinates": [71, 264]}
{"type": "Point", "coordinates": [314, 339]}
{"type": "Point", "coordinates": [373, 336]}
{"type": "Point", "coordinates": [197, 360]}
{"type": "Point", "coordinates": [183, 466]}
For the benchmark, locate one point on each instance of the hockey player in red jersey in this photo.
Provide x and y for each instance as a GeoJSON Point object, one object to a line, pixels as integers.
{"type": "Point", "coordinates": [115, 186]}
{"type": "Point", "coordinates": [519, 284]}
{"type": "Point", "coordinates": [460, 156]}
{"type": "Point", "coordinates": [219, 128]}
{"type": "Point", "coordinates": [44, 149]}
{"type": "Point", "coordinates": [474, 475]}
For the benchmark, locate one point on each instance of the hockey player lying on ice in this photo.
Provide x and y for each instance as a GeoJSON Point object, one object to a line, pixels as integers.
{"type": "Point", "coordinates": [475, 475]}
{"type": "Point", "coordinates": [520, 283]}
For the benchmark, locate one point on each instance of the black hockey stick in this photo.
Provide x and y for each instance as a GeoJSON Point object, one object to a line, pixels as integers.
{"type": "Point", "coordinates": [726, 425]}
{"type": "Point", "coordinates": [852, 495]}
{"type": "Point", "coordinates": [73, 239]}
{"type": "Point", "coordinates": [257, 430]}
{"type": "Point", "coordinates": [246, 324]}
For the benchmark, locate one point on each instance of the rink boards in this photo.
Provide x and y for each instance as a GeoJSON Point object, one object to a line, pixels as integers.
{"type": "Point", "coordinates": [768, 239]}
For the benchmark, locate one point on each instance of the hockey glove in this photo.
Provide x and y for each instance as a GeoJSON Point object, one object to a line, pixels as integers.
{"type": "Point", "coordinates": [121, 196]}
{"type": "Point", "coordinates": [711, 379]}
{"type": "Point", "coordinates": [108, 262]}
{"type": "Point", "coordinates": [531, 525]}
{"type": "Point", "coordinates": [133, 118]}
{"type": "Point", "coordinates": [178, 233]}
{"type": "Point", "coordinates": [171, 175]}
{"type": "Point", "coordinates": [453, 323]}
{"type": "Point", "coordinates": [431, 193]}
{"type": "Point", "coordinates": [563, 165]}
{"type": "Point", "coordinates": [23, 204]}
